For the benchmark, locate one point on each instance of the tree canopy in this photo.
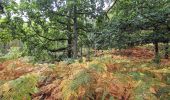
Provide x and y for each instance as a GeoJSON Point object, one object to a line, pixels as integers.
{"type": "Point", "coordinates": [50, 26]}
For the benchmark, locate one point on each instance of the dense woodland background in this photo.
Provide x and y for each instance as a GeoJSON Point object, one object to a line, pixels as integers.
{"type": "Point", "coordinates": [84, 49]}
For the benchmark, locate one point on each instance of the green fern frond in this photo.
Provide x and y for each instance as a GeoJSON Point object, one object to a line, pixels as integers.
{"type": "Point", "coordinates": [97, 67]}
{"type": "Point", "coordinates": [70, 87]}
{"type": "Point", "coordinates": [20, 88]}
{"type": "Point", "coordinates": [81, 79]}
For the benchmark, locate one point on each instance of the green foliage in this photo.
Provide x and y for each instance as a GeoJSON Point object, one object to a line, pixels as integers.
{"type": "Point", "coordinates": [4, 30]}
{"type": "Point", "coordinates": [81, 79]}
{"type": "Point", "coordinates": [105, 59]}
{"type": "Point", "coordinates": [54, 30]}
{"type": "Point", "coordinates": [41, 56]}
{"type": "Point", "coordinates": [70, 88]}
{"type": "Point", "coordinates": [48, 26]}
{"type": "Point", "coordinates": [168, 79]}
{"type": "Point", "coordinates": [21, 88]}
{"type": "Point", "coordinates": [143, 88]}
{"type": "Point", "coordinates": [13, 53]}
{"type": "Point", "coordinates": [163, 93]}
{"type": "Point", "coordinates": [137, 75]}
{"type": "Point", "coordinates": [97, 67]}
{"type": "Point", "coordinates": [139, 80]}
{"type": "Point", "coordinates": [69, 61]}
{"type": "Point", "coordinates": [139, 22]}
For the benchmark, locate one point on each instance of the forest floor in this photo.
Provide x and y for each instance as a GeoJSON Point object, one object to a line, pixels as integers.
{"type": "Point", "coordinates": [112, 75]}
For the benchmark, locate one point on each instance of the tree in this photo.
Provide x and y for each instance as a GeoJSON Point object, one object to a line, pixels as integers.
{"type": "Point", "coordinates": [1, 6]}
{"type": "Point", "coordinates": [53, 26]}
{"type": "Point", "coordinates": [140, 22]}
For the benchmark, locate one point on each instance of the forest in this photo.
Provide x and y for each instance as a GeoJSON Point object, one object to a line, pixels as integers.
{"type": "Point", "coordinates": [84, 49]}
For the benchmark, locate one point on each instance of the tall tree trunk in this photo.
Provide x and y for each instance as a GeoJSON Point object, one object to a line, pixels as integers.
{"type": "Point", "coordinates": [156, 49]}
{"type": "Point", "coordinates": [5, 48]}
{"type": "Point", "coordinates": [69, 52]}
{"type": "Point", "coordinates": [69, 35]}
{"type": "Point", "coordinates": [88, 53]}
{"type": "Point", "coordinates": [166, 56]}
{"type": "Point", "coordinates": [75, 42]}
{"type": "Point", "coordinates": [157, 57]}
{"type": "Point", "coordinates": [81, 51]}
{"type": "Point", "coordinates": [1, 7]}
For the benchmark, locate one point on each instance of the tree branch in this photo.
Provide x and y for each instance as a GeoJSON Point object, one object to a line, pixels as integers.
{"type": "Point", "coordinates": [112, 5]}
{"type": "Point", "coordinates": [37, 33]}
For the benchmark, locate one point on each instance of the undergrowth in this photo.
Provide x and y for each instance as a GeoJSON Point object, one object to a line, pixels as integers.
{"type": "Point", "coordinates": [104, 78]}
{"type": "Point", "coordinates": [19, 89]}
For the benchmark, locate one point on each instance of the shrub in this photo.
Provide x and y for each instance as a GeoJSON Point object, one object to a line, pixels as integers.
{"type": "Point", "coordinates": [14, 53]}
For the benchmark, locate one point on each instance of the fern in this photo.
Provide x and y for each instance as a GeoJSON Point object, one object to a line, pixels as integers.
{"type": "Point", "coordinates": [21, 88]}
{"type": "Point", "coordinates": [142, 91]}
{"type": "Point", "coordinates": [70, 88]}
{"type": "Point", "coordinates": [82, 78]}
{"type": "Point", "coordinates": [97, 67]}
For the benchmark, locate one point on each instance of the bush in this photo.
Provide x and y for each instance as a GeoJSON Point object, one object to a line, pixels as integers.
{"type": "Point", "coordinates": [14, 53]}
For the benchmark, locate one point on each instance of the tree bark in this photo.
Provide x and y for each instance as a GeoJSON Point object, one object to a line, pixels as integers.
{"type": "Point", "coordinates": [75, 44]}
{"type": "Point", "coordinates": [157, 57]}
{"type": "Point", "coordinates": [88, 53]}
{"type": "Point", "coordinates": [81, 51]}
{"type": "Point", "coordinates": [69, 35]}
{"type": "Point", "coordinates": [69, 51]}
{"type": "Point", "coordinates": [166, 56]}
{"type": "Point", "coordinates": [156, 49]}
{"type": "Point", "coordinates": [6, 47]}
{"type": "Point", "coordinates": [1, 6]}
